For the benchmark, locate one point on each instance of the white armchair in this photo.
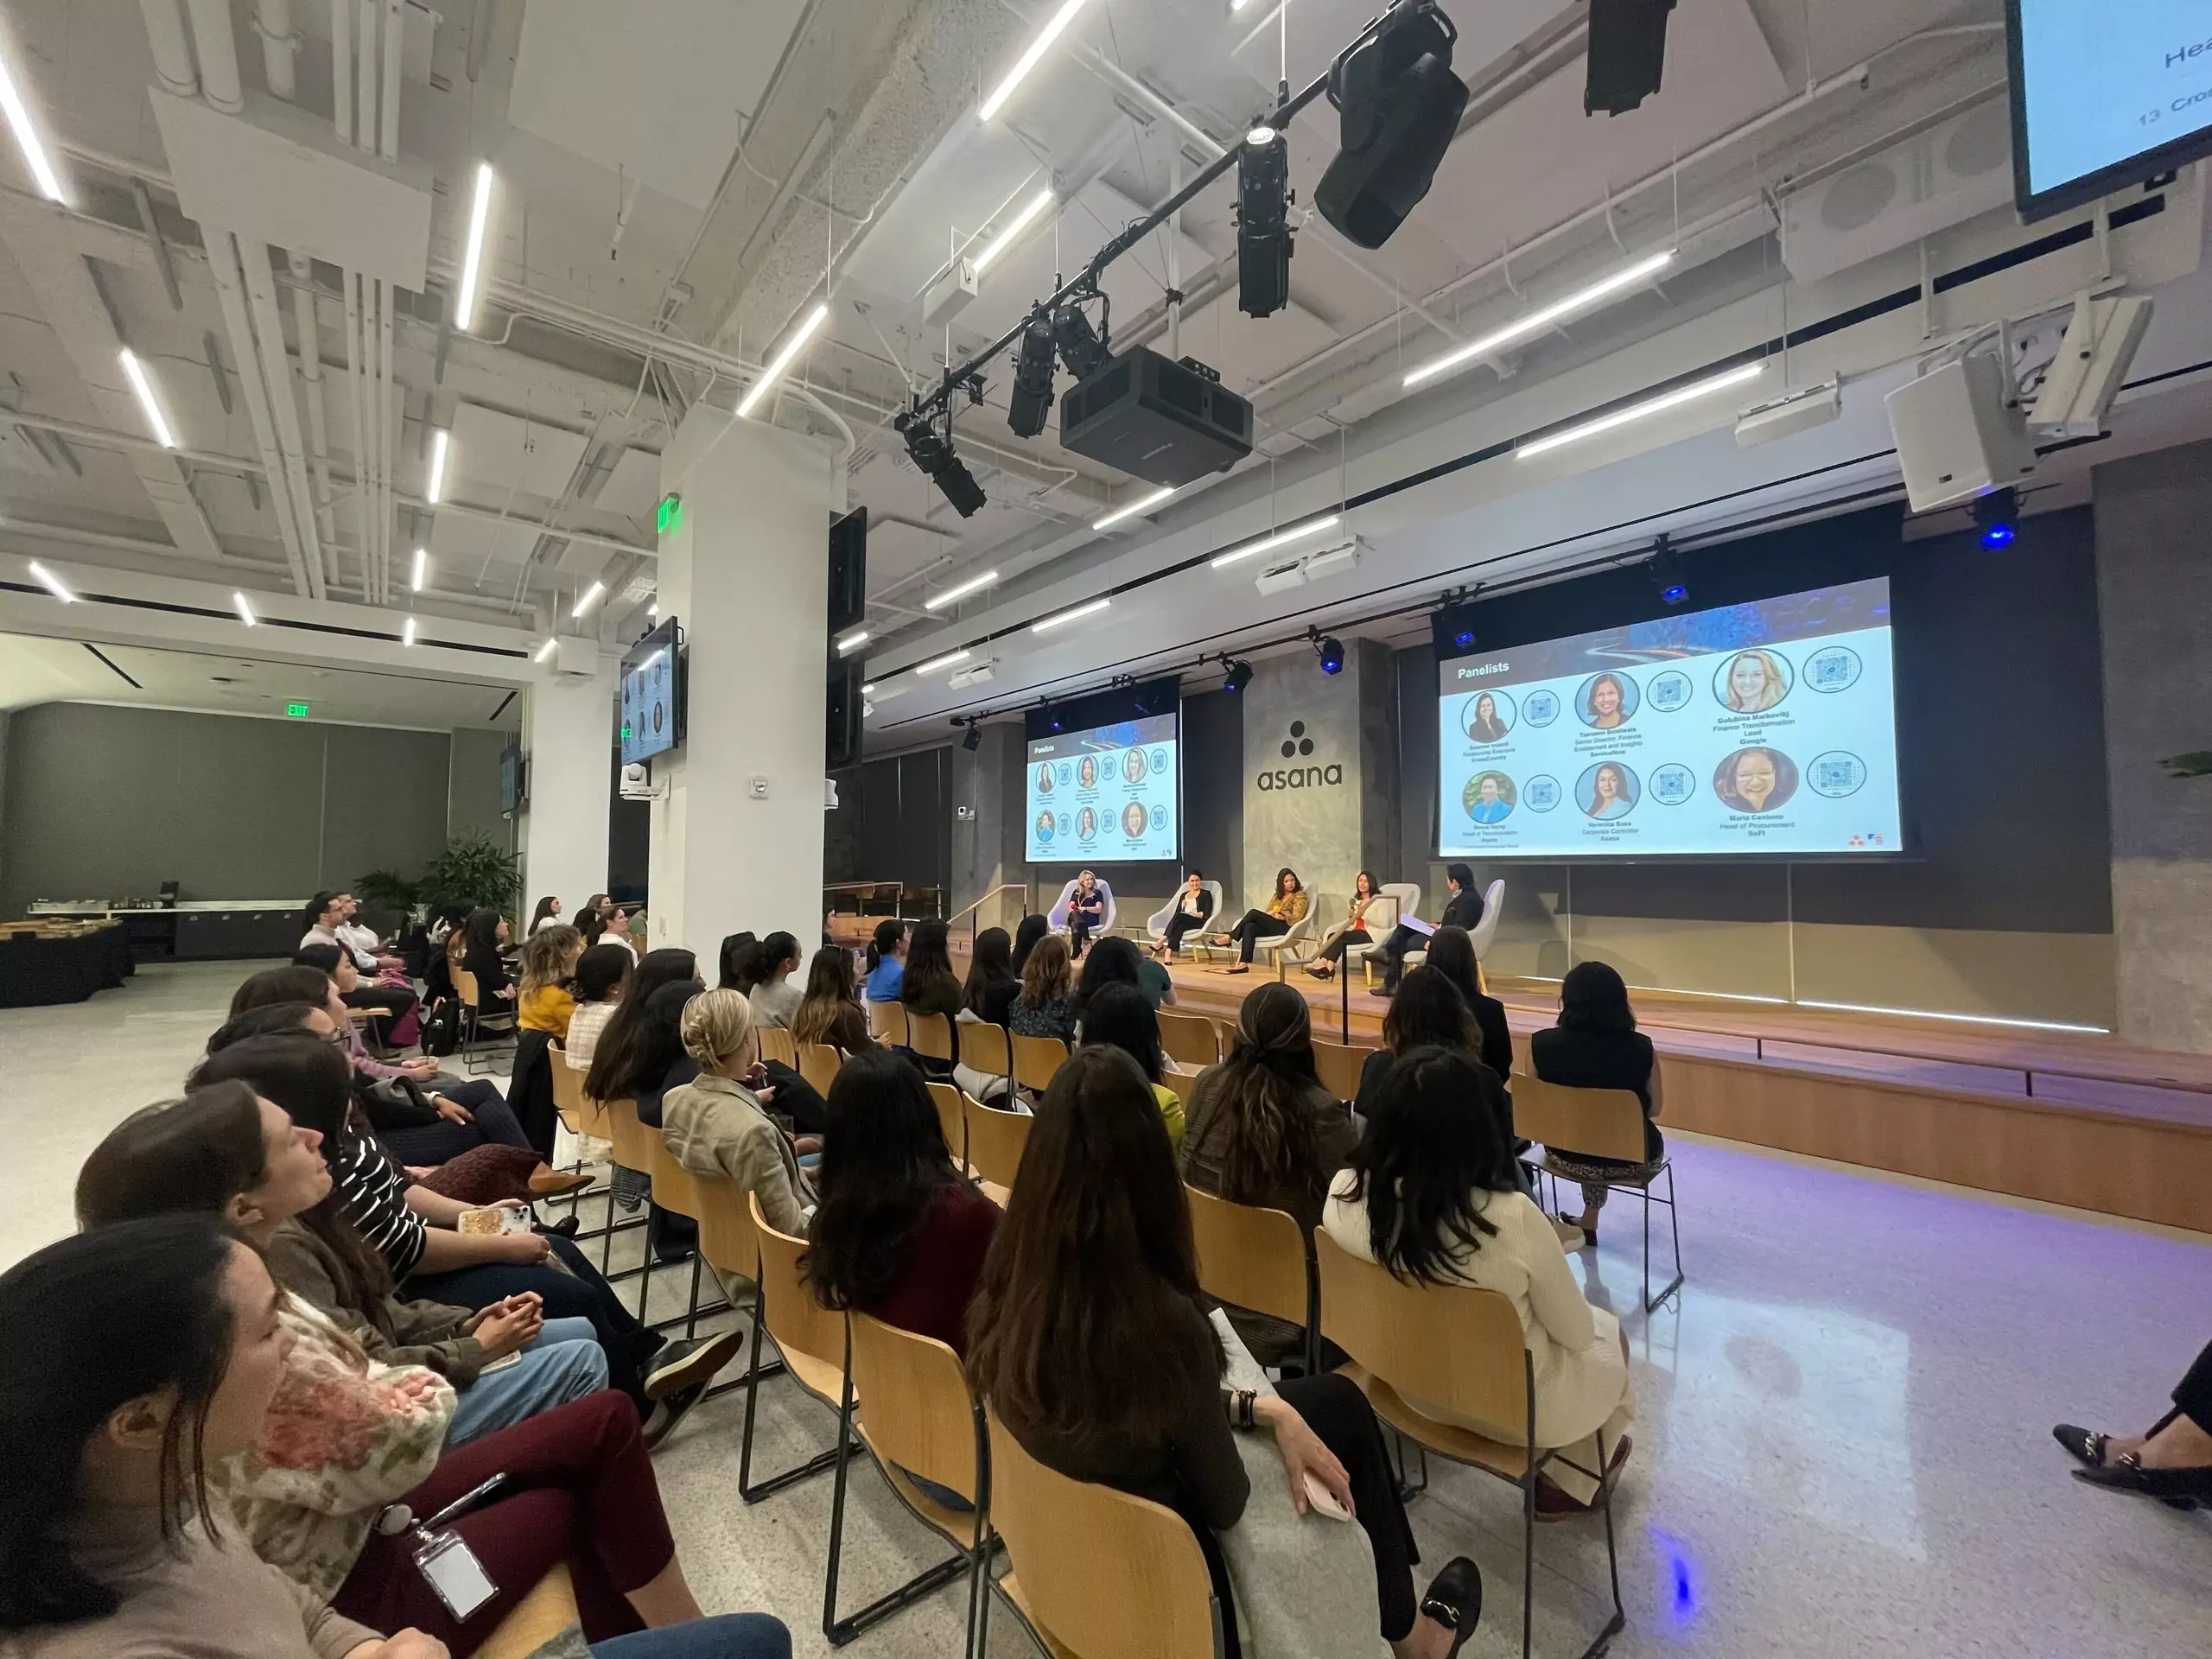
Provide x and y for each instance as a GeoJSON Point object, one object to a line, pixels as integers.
{"type": "Point", "coordinates": [1155, 926]}
{"type": "Point", "coordinates": [1058, 916]}
{"type": "Point", "coordinates": [1283, 946]}
{"type": "Point", "coordinates": [1405, 902]}
{"type": "Point", "coordinates": [1493, 909]}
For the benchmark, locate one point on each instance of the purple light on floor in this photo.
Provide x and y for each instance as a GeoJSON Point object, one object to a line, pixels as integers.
{"type": "Point", "coordinates": [1678, 1581]}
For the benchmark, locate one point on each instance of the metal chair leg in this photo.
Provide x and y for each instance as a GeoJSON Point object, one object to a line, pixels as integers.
{"type": "Point", "coordinates": [755, 1374]}
{"type": "Point", "coordinates": [1527, 1560]}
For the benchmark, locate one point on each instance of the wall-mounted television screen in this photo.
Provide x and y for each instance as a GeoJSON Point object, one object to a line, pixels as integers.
{"type": "Point", "coordinates": [653, 676]}
{"type": "Point", "coordinates": [2106, 95]}
{"type": "Point", "coordinates": [514, 779]}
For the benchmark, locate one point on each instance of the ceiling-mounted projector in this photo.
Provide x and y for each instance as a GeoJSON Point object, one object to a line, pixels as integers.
{"type": "Point", "coordinates": [1338, 558]}
{"type": "Point", "coordinates": [1166, 423]}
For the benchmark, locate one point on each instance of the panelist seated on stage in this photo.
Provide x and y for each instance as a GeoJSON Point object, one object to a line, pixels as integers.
{"type": "Point", "coordinates": [1463, 909]}
{"type": "Point", "coordinates": [1353, 929]}
{"type": "Point", "coordinates": [1086, 906]}
{"type": "Point", "coordinates": [1285, 910]}
{"type": "Point", "coordinates": [1190, 908]}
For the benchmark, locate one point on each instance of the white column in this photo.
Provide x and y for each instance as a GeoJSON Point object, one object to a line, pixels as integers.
{"type": "Point", "coordinates": [569, 736]}
{"type": "Point", "coordinates": [737, 837]}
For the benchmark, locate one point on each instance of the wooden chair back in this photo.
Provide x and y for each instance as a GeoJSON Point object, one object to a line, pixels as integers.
{"type": "Point", "coordinates": [777, 1045]}
{"type": "Point", "coordinates": [728, 1240]}
{"type": "Point", "coordinates": [996, 1140]}
{"type": "Point", "coordinates": [1339, 1066]}
{"type": "Point", "coordinates": [464, 986]}
{"type": "Point", "coordinates": [674, 1186]}
{"type": "Point", "coordinates": [633, 1142]}
{"type": "Point", "coordinates": [1188, 1039]}
{"type": "Point", "coordinates": [543, 1614]}
{"type": "Point", "coordinates": [1185, 1084]}
{"type": "Point", "coordinates": [930, 1035]}
{"type": "Point", "coordinates": [985, 1047]}
{"type": "Point", "coordinates": [1105, 1575]}
{"type": "Point", "coordinates": [921, 1415]}
{"type": "Point", "coordinates": [952, 1118]}
{"type": "Point", "coordinates": [1036, 1059]}
{"type": "Point", "coordinates": [887, 1020]}
{"type": "Point", "coordinates": [568, 1093]}
{"type": "Point", "coordinates": [1596, 1123]}
{"type": "Point", "coordinates": [818, 1063]}
{"type": "Point", "coordinates": [798, 1323]}
{"type": "Point", "coordinates": [1253, 1257]}
{"type": "Point", "coordinates": [1457, 1348]}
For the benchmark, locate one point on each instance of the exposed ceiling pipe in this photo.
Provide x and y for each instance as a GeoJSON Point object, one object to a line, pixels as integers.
{"type": "Point", "coordinates": [172, 52]}
{"type": "Point", "coordinates": [280, 48]}
{"type": "Point", "coordinates": [387, 435]}
{"type": "Point", "coordinates": [219, 55]}
{"type": "Point", "coordinates": [230, 292]}
{"type": "Point", "coordinates": [364, 74]}
{"type": "Point", "coordinates": [310, 333]}
{"type": "Point", "coordinates": [394, 38]}
{"type": "Point", "coordinates": [276, 363]}
{"type": "Point", "coordinates": [342, 68]}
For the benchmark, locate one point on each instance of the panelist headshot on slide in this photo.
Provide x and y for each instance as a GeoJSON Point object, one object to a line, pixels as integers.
{"type": "Point", "coordinates": [1608, 791]}
{"type": "Point", "coordinates": [1756, 779]}
{"type": "Point", "coordinates": [1045, 825]}
{"type": "Point", "coordinates": [1086, 822]}
{"type": "Point", "coordinates": [1133, 818]}
{"type": "Point", "coordinates": [1752, 682]}
{"type": "Point", "coordinates": [1489, 797]}
{"type": "Point", "coordinates": [1606, 701]}
{"type": "Point", "coordinates": [1087, 773]}
{"type": "Point", "coordinates": [1487, 723]}
{"type": "Point", "coordinates": [1133, 765]}
{"type": "Point", "coordinates": [1044, 776]}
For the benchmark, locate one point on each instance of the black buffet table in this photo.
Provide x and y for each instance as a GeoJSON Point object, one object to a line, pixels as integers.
{"type": "Point", "coordinates": [40, 970]}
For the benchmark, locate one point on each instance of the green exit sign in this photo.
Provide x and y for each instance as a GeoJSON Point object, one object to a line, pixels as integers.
{"type": "Point", "coordinates": [672, 513]}
{"type": "Point", "coordinates": [296, 710]}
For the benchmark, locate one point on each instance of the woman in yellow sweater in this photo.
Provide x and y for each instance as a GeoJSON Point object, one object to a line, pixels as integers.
{"type": "Point", "coordinates": [549, 966]}
{"type": "Point", "coordinates": [1284, 911]}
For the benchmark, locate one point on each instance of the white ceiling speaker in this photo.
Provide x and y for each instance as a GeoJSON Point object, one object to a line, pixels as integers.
{"type": "Point", "coordinates": [1956, 170]}
{"type": "Point", "coordinates": [2091, 366]}
{"type": "Point", "coordinates": [1959, 434]}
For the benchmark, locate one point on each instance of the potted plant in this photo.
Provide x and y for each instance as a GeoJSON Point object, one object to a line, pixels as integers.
{"type": "Point", "coordinates": [475, 871]}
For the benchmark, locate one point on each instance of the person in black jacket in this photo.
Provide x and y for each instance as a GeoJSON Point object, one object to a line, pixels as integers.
{"type": "Point", "coordinates": [1465, 909]}
{"type": "Point", "coordinates": [1193, 905]}
{"type": "Point", "coordinates": [484, 932]}
{"type": "Point", "coordinates": [1452, 953]}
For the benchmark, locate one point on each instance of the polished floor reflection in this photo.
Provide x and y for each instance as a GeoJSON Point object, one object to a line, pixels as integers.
{"type": "Point", "coordinates": [1844, 1449]}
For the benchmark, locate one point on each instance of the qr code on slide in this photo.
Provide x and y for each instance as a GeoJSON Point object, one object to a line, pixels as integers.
{"type": "Point", "coordinates": [1832, 774]}
{"type": "Point", "coordinates": [1831, 671]}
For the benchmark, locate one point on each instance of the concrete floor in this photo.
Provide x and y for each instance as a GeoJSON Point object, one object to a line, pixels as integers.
{"type": "Point", "coordinates": [1843, 1447]}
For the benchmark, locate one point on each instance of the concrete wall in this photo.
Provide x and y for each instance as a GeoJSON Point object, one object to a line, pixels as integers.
{"type": "Point", "coordinates": [2154, 602]}
{"type": "Point", "coordinates": [1320, 774]}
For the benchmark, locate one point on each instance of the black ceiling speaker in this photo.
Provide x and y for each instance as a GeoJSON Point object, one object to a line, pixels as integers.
{"type": "Point", "coordinates": [1628, 54]}
{"type": "Point", "coordinates": [843, 710]}
{"type": "Point", "coordinates": [847, 571]}
{"type": "Point", "coordinates": [1400, 104]}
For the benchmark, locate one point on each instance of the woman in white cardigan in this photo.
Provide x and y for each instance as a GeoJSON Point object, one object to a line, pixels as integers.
{"type": "Point", "coordinates": [1429, 1194]}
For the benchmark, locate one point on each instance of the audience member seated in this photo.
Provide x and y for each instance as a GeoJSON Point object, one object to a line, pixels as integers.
{"type": "Point", "coordinates": [886, 962]}
{"type": "Point", "coordinates": [1026, 932]}
{"type": "Point", "coordinates": [987, 999]}
{"type": "Point", "coordinates": [618, 1067]}
{"type": "Point", "coordinates": [775, 1000]}
{"type": "Point", "coordinates": [1120, 1017]}
{"type": "Point", "coordinates": [481, 938]}
{"type": "Point", "coordinates": [1452, 953]}
{"type": "Point", "coordinates": [1193, 905]}
{"type": "Point", "coordinates": [1046, 1006]}
{"type": "Point", "coordinates": [548, 998]}
{"type": "Point", "coordinates": [1264, 1132]}
{"type": "Point", "coordinates": [642, 1058]}
{"type": "Point", "coordinates": [830, 1011]}
{"type": "Point", "coordinates": [329, 927]}
{"type": "Point", "coordinates": [165, 1356]}
{"type": "Point", "coordinates": [1463, 909]}
{"type": "Point", "coordinates": [547, 913]}
{"type": "Point", "coordinates": [1350, 932]}
{"type": "Point", "coordinates": [592, 926]}
{"type": "Point", "coordinates": [928, 986]}
{"type": "Point", "coordinates": [602, 981]}
{"type": "Point", "coordinates": [1284, 910]}
{"type": "Point", "coordinates": [618, 928]}
{"type": "Point", "coordinates": [1086, 911]}
{"type": "Point", "coordinates": [1596, 1046]}
{"type": "Point", "coordinates": [2171, 1460]}
{"type": "Point", "coordinates": [257, 1164]}
{"type": "Point", "coordinates": [1430, 1194]}
{"type": "Point", "coordinates": [1116, 961]}
{"type": "Point", "coordinates": [336, 965]}
{"type": "Point", "coordinates": [718, 1126]}
{"type": "Point", "coordinates": [736, 957]}
{"type": "Point", "coordinates": [1090, 1339]}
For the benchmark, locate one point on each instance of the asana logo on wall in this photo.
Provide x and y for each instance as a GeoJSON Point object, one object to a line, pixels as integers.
{"type": "Point", "coordinates": [1296, 746]}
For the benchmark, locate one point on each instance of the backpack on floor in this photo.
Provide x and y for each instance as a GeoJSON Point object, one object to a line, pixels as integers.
{"type": "Point", "coordinates": [441, 1026]}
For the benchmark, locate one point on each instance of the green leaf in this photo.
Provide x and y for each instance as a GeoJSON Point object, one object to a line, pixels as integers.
{"type": "Point", "coordinates": [2197, 763]}
{"type": "Point", "coordinates": [476, 871]}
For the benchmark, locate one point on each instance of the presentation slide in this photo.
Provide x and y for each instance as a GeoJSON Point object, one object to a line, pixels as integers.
{"type": "Point", "coordinates": [2105, 82]}
{"type": "Point", "coordinates": [1757, 728]}
{"type": "Point", "coordinates": [1107, 795]}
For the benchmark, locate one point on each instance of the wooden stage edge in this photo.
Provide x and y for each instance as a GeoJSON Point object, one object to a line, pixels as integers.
{"type": "Point", "coordinates": [2074, 1119]}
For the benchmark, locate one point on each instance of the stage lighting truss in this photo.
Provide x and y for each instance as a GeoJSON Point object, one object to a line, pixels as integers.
{"type": "Point", "coordinates": [1263, 233]}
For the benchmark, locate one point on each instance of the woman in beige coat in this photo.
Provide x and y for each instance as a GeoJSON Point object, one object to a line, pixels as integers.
{"type": "Point", "coordinates": [716, 1126]}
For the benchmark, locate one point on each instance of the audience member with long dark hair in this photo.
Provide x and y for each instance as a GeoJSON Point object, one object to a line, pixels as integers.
{"type": "Point", "coordinates": [775, 1000]}
{"type": "Point", "coordinates": [992, 983]}
{"type": "Point", "coordinates": [163, 1351]}
{"type": "Point", "coordinates": [1431, 1193]}
{"type": "Point", "coordinates": [1116, 961]}
{"type": "Point", "coordinates": [1452, 953]}
{"type": "Point", "coordinates": [1026, 932]}
{"type": "Point", "coordinates": [886, 962]}
{"type": "Point", "coordinates": [928, 985]}
{"type": "Point", "coordinates": [736, 960]}
{"type": "Point", "coordinates": [1120, 1017]}
{"type": "Point", "coordinates": [1045, 1005]}
{"type": "Point", "coordinates": [1090, 1338]}
{"type": "Point", "coordinates": [602, 980]}
{"type": "Point", "coordinates": [1429, 1010]}
{"type": "Point", "coordinates": [256, 1160]}
{"type": "Point", "coordinates": [830, 1011]}
{"type": "Point", "coordinates": [482, 934]}
{"type": "Point", "coordinates": [1596, 1046]}
{"type": "Point", "coordinates": [620, 1065]}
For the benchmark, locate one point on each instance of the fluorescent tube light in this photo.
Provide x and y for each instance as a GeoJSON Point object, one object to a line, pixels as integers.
{"type": "Point", "coordinates": [1052, 622]}
{"type": "Point", "coordinates": [52, 583]}
{"type": "Point", "coordinates": [589, 597]}
{"type": "Point", "coordinates": [546, 650]}
{"type": "Point", "coordinates": [134, 371]}
{"type": "Point", "coordinates": [407, 633]}
{"type": "Point", "coordinates": [1537, 321]}
{"type": "Point", "coordinates": [438, 436]}
{"type": "Point", "coordinates": [1142, 504]}
{"type": "Point", "coordinates": [999, 243]}
{"type": "Point", "coordinates": [422, 569]}
{"type": "Point", "coordinates": [852, 642]}
{"type": "Point", "coordinates": [961, 592]}
{"type": "Point", "coordinates": [27, 138]}
{"type": "Point", "coordinates": [1027, 62]}
{"type": "Point", "coordinates": [1634, 412]}
{"type": "Point", "coordinates": [245, 610]}
{"type": "Point", "coordinates": [472, 262]}
{"type": "Point", "coordinates": [782, 359]}
{"type": "Point", "coordinates": [869, 687]}
{"type": "Point", "coordinates": [945, 661]}
{"type": "Point", "coordinates": [1280, 538]}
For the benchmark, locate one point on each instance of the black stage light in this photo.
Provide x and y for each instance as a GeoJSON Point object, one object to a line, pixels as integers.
{"type": "Point", "coordinates": [974, 741]}
{"type": "Point", "coordinates": [1239, 674]}
{"type": "Point", "coordinates": [1400, 105]}
{"type": "Point", "coordinates": [1263, 233]}
{"type": "Point", "coordinates": [1997, 516]}
{"type": "Point", "coordinates": [1667, 573]}
{"type": "Point", "coordinates": [1081, 349]}
{"type": "Point", "coordinates": [933, 452]}
{"type": "Point", "coordinates": [1628, 54]}
{"type": "Point", "coordinates": [1331, 651]}
{"type": "Point", "coordinates": [1030, 402]}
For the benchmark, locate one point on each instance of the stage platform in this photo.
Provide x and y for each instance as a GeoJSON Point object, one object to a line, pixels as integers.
{"type": "Point", "coordinates": [2073, 1118]}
